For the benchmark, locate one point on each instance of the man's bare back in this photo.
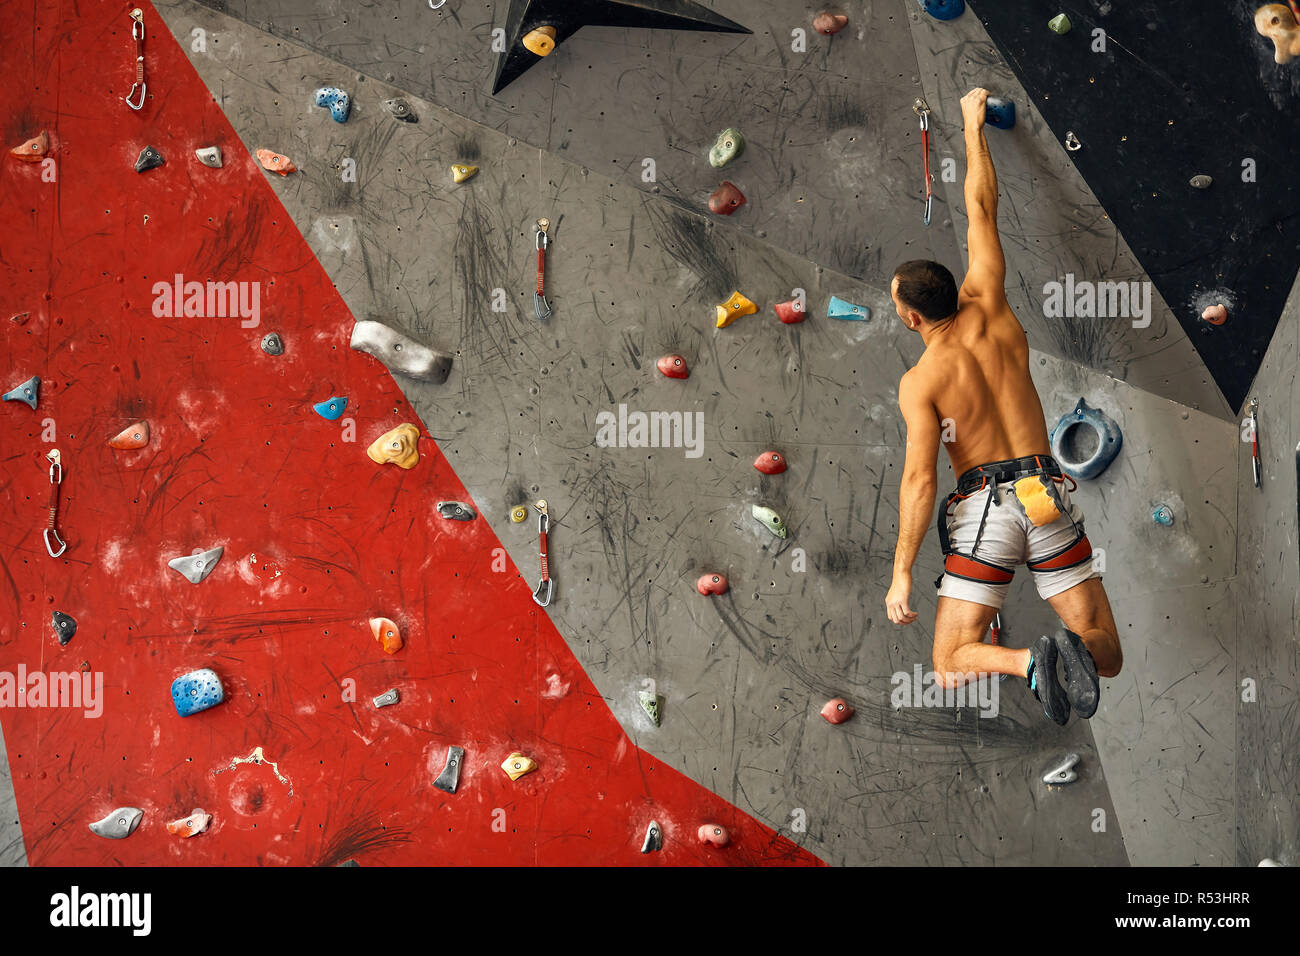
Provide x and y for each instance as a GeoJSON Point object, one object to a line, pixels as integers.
{"type": "Point", "coordinates": [975, 373]}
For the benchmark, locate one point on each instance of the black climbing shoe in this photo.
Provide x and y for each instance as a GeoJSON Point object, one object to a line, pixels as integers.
{"type": "Point", "coordinates": [1080, 673]}
{"type": "Point", "coordinates": [1043, 682]}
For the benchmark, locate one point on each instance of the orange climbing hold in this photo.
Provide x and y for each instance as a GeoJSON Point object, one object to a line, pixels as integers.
{"type": "Point", "coordinates": [517, 765]}
{"type": "Point", "coordinates": [275, 162]}
{"type": "Point", "coordinates": [713, 833]}
{"type": "Point", "coordinates": [387, 634]}
{"type": "Point", "coordinates": [734, 308]}
{"type": "Point", "coordinates": [133, 436]}
{"type": "Point", "coordinates": [829, 23]}
{"type": "Point", "coordinates": [396, 447]}
{"type": "Point", "coordinates": [1215, 314]}
{"type": "Point", "coordinates": [190, 826]}
{"type": "Point", "coordinates": [34, 150]}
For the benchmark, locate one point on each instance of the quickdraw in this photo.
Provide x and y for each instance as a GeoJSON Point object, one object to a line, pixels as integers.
{"type": "Point", "coordinates": [137, 34]}
{"type": "Point", "coordinates": [56, 479]}
{"type": "Point", "coordinates": [540, 305]}
{"type": "Point", "coordinates": [545, 586]}
{"type": "Point", "coordinates": [922, 110]}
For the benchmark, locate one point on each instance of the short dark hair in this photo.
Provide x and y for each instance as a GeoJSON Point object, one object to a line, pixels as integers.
{"type": "Point", "coordinates": [927, 287]}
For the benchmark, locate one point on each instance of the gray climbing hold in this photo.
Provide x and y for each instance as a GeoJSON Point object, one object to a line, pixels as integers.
{"type": "Point", "coordinates": [401, 110]}
{"type": "Point", "coordinates": [770, 520]}
{"type": "Point", "coordinates": [1201, 182]}
{"type": "Point", "coordinates": [650, 704]}
{"type": "Point", "coordinates": [65, 625]}
{"type": "Point", "coordinates": [334, 99]}
{"type": "Point", "coordinates": [150, 158]}
{"type": "Point", "coordinates": [272, 345]}
{"type": "Point", "coordinates": [209, 156]}
{"type": "Point", "coordinates": [400, 353]}
{"type": "Point", "coordinates": [1080, 456]}
{"type": "Point", "coordinates": [654, 838]}
{"type": "Point", "coordinates": [450, 775]}
{"type": "Point", "coordinates": [119, 824]}
{"type": "Point", "coordinates": [387, 699]}
{"type": "Point", "coordinates": [1063, 772]}
{"type": "Point", "coordinates": [196, 567]}
{"type": "Point", "coordinates": [28, 392]}
{"type": "Point", "coordinates": [349, 863]}
{"type": "Point", "coordinates": [456, 511]}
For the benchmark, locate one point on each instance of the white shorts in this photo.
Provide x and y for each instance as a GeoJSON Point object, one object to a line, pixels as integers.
{"type": "Point", "coordinates": [1057, 552]}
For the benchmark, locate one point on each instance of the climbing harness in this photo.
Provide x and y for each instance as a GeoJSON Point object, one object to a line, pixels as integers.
{"type": "Point", "coordinates": [137, 33]}
{"type": "Point", "coordinates": [545, 586]}
{"type": "Point", "coordinates": [540, 305]}
{"type": "Point", "coordinates": [923, 112]}
{"type": "Point", "coordinates": [56, 479]}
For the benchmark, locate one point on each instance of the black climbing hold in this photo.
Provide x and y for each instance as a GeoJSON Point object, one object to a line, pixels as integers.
{"type": "Point", "coordinates": [149, 158]}
{"type": "Point", "coordinates": [65, 625]}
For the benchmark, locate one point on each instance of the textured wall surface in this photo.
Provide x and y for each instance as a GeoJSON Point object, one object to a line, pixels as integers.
{"type": "Point", "coordinates": [832, 172]}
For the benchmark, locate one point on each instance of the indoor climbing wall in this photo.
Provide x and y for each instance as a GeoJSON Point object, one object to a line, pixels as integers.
{"type": "Point", "coordinates": [413, 210]}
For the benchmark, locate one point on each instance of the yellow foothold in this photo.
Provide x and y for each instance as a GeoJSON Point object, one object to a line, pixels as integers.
{"type": "Point", "coordinates": [540, 41]}
{"type": "Point", "coordinates": [733, 309]}
{"type": "Point", "coordinates": [516, 765]}
{"type": "Point", "coordinates": [519, 514]}
{"type": "Point", "coordinates": [460, 172]}
{"type": "Point", "coordinates": [396, 447]}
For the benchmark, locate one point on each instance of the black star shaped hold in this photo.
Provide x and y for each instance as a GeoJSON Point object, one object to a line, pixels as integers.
{"type": "Point", "coordinates": [548, 23]}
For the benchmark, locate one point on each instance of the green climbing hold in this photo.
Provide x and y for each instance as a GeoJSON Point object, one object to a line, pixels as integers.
{"type": "Point", "coordinates": [728, 146]}
{"type": "Point", "coordinates": [1059, 24]}
{"type": "Point", "coordinates": [650, 704]}
{"type": "Point", "coordinates": [770, 520]}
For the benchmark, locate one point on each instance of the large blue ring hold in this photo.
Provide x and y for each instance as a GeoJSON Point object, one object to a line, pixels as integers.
{"type": "Point", "coordinates": [196, 691]}
{"type": "Point", "coordinates": [1109, 441]}
{"type": "Point", "coordinates": [944, 9]}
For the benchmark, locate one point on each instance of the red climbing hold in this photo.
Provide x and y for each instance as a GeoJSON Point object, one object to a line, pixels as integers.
{"type": "Point", "coordinates": [1215, 314]}
{"type": "Point", "coordinates": [829, 23]}
{"type": "Point", "coordinates": [674, 366]}
{"type": "Point", "coordinates": [837, 711]}
{"type": "Point", "coordinates": [726, 199]}
{"type": "Point", "coordinates": [770, 463]}
{"type": "Point", "coordinates": [711, 584]}
{"type": "Point", "coordinates": [715, 834]}
{"type": "Point", "coordinates": [133, 436]}
{"type": "Point", "coordinates": [790, 312]}
{"type": "Point", "coordinates": [34, 150]}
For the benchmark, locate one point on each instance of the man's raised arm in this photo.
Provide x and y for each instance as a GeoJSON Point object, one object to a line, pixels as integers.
{"type": "Point", "coordinates": [986, 274]}
{"type": "Point", "coordinates": [916, 493]}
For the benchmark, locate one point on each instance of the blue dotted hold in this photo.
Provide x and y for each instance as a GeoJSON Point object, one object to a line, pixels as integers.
{"type": "Point", "coordinates": [944, 9]}
{"type": "Point", "coordinates": [331, 408]}
{"type": "Point", "coordinates": [339, 103]}
{"type": "Point", "coordinates": [999, 112]}
{"type": "Point", "coordinates": [196, 691]}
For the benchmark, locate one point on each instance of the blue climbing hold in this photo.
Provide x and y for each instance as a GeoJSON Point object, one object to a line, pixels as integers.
{"type": "Point", "coordinates": [196, 691]}
{"type": "Point", "coordinates": [839, 308]}
{"type": "Point", "coordinates": [29, 391]}
{"type": "Point", "coordinates": [944, 9]}
{"type": "Point", "coordinates": [331, 408]}
{"type": "Point", "coordinates": [1085, 441]}
{"type": "Point", "coordinates": [1163, 515]}
{"type": "Point", "coordinates": [1000, 112]}
{"type": "Point", "coordinates": [339, 103]}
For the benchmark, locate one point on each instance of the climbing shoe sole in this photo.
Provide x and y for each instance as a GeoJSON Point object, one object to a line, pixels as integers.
{"type": "Point", "coordinates": [1080, 673]}
{"type": "Point", "coordinates": [1048, 690]}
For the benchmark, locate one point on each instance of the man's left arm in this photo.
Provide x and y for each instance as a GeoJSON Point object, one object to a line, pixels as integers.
{"type": "Point", "coordinates": [916, 493]}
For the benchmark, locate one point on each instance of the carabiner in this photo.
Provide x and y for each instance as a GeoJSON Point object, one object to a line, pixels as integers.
{"type": "Point", "coordinates": [137, 34]}
{"type": "Point", "coordinates": [543, 239]}
{"type": "Point", "coordinates": [545, 587]}
{"type": "Point", "coordinates": [56, 467]}
{"type": "Point", "coordinates": [56, 479]}
{"type": "Point", "coordinates": [433, 6]}
{"type": "Point", "coordinates": [51, 533]}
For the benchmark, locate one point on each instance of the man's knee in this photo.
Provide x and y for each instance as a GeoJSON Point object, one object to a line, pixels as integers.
{"type": "Point", "coordinates": [949, 677]}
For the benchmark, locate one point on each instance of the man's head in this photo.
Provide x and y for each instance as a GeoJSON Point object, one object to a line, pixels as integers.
{"type": "Point", "coordinates": [924, 293]}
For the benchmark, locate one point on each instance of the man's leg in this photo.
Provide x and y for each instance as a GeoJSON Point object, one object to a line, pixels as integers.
{"type": "Point", "coordinates": [959, 648]}
{"type": "Point", "coordinates": [1085, 609]}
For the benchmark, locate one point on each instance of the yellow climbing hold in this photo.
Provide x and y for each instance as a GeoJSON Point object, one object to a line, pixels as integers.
{"type": "Point", "coordinates": [540, 41]}
{"type": "Point", "coordinates": [519, 514]}
{"type": "Point", "coordinates": [733, 309]}
{"type": "Point", "coordinates": [396, 447]}
{"type": "Point", "coordinates": [460, 172]}
{"type": "Point", "coordinates": [516, 765]}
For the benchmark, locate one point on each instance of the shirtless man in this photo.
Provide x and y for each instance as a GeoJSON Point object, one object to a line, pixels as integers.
{"type": "Point", "coordinates": [972, 388]}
